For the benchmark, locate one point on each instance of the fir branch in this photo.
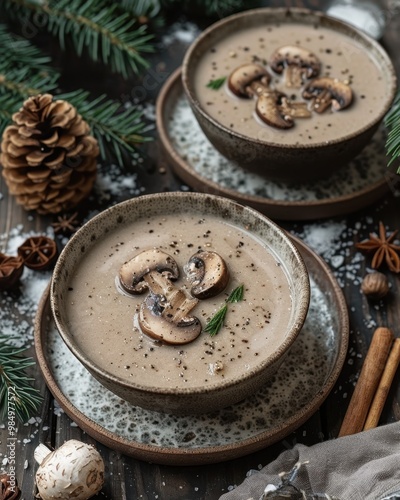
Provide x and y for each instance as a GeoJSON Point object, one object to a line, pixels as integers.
{"type": "Point", "coordinates": [140, 8]}
{"type": "Point", "coordinates": [20, 82]}
{"type": "Point", "coordinates": [17, 395]}
{"type": "Point", "coordinates": [97, 25]}
{"type": "Point", "coordinates": [392, 122]}
{"type": "Point", "coordinates": [217, 83]}
{"type": "Point", "coordinates": [217, 321]}
{"type": "Point", "coordinates": [16, 52]}
{"type": "Point", "coordinates": [120, 130]}
{"type": "Point", "coordinates": [9, 104]}
{"type": "Point", "coordinates": [211, 8]}
{"type": "Point", "coordinates": [222, 7]}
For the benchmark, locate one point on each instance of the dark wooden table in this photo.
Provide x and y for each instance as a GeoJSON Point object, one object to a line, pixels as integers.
{"type": "Point", "coordinates": [127, 478]}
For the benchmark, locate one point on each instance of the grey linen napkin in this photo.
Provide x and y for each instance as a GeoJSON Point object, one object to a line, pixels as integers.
{"type": "Point", "coordinates": [363, 466]}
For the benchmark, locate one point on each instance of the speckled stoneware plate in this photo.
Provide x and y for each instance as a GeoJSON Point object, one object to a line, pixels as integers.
{"type": "Point", "coordinates": [186, 149]}
{"type": "Point", "coordinates": [296, 392]}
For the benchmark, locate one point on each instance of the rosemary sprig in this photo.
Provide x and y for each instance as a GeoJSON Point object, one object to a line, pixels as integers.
{"type": "Point", "coordinates": [216, 322]}
{"type": "Point", "coordinates": [217, 83]}
{"type": "Point", "coordinates": [236, 295]}
{"type": "Point", "coordinates": [17, 395]}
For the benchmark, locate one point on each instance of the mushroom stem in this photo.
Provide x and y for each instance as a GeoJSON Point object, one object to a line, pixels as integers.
{"type": "Point", "coordinates": [294, 76]}
{"type": "Point", "coordinates": [327, 92]}
{"type": "Point", "coordinates": [177, 304]}
{"type": "Point", "coordinates": [164, 315]}
{"type": "Point", "coordinates": [75, 470]}
{"type": "Point", "coordinates": [41, 453]}
{"type": "Point", "coordinates": [268, 109]}
{"type": "Point", "coordinates": [299, 64]}
{"type": "Point", "coordinates": [294, 109]}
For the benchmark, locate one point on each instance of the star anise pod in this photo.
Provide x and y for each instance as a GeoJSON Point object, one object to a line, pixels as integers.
{"type": "Point", "coordinates": [385, 251]}
{"type": "Point", "coordinates": [66, 224]}
{"type": "Point", "coordinates": [10, 270]}
{"type": "Point", "coordinates": [38, 252]}
{"type": "Point", "coordinates": [8, 490]}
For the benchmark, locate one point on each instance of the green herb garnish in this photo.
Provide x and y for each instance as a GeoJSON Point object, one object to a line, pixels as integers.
{"type": "Point", "coordinates": [18, 398]}
{"type": "Point", "coordinates": [216, 322]}
{"type": "Point", "coordinates": [217, 83]}
{"type": "Point", "coordinates": [236, 295]}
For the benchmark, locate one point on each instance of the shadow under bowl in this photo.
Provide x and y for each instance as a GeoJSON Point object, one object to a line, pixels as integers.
{"type": "Point", "coordinates": [113, 235]}
{"type": "Point", "coordinates": [266, 151]}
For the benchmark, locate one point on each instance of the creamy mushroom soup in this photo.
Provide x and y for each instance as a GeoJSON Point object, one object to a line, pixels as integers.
{"type": "Point", "coordinates": [104, 318]}
{"type": "Point", "coordinates": [339, 57]}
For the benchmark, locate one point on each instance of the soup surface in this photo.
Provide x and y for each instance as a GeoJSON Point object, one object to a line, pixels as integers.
{"type": "Point", "coordinates": [340, 56]}
{"type": "Point", "coordinates": [103, 319]}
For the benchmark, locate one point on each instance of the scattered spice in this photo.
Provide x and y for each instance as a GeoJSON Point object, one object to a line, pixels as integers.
{"type": "Point", "coordinates": [8, 488]}
{"type": "Point", "coordinates": [385, 251]}
{"type": "Point", "coordinates": [66, 224]}
{"type": "Point", "coordinates": [375, 285]}
{"type": "Point", "coordinates": [10, 270]}
{"type": "Point", "coordinates": [38, 252]}
{"type": "Point", "coordinates": [217, 83]}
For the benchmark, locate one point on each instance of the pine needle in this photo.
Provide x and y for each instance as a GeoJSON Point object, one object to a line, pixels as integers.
{"type": "Point", "coordinates": [17, 395]}
{"type": "Point", "coordinates": [106, 31]}
{"type": "Point", "coordinates": [392, 122]}
{"type": "Point", "coordinates": [217, 321]}
{"type": "Point", "coordinates": [114, 129]}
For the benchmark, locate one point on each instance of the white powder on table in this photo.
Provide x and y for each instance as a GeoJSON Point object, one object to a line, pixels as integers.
{"type": "Point", "coordinates": [192, 145]}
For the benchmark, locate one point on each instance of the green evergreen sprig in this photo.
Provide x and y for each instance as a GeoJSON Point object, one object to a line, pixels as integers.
{"type": "Point", "coordinates": [217, 321]}
{"type": "Point", "coordinates": [17, 394]}
{"type": "Point", "coordinates": [102, 27]}
{"type": "Point", "coordinates": [211, 8]}
{"type": "Point", "coordinates": [115, 129]}
{"type": "Point", "coordinates": [118, 130]}
{"type": "Point", "coordinates": [392, 122]}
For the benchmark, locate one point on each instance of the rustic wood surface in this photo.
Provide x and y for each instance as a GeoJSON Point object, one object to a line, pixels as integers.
{"type": "Point", "coordinates": [127, 478]}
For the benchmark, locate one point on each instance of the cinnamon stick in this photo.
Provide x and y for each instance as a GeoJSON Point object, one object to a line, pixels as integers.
{"type": "Point", "coordinates": [384, 386]}
{"type": "Point", "coordinates": [368, 382]}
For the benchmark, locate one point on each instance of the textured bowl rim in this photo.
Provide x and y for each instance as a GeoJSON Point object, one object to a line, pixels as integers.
{"type": "Point", "coordinates": [83, 357]}
{"type": "Point", "coordinates": [346, 28]}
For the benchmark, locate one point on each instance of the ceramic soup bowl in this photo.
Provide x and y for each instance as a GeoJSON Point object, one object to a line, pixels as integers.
{"type": "Point", "coordinates": [291, 94]}
{"type": "Point", "coordinates": [181, 303]}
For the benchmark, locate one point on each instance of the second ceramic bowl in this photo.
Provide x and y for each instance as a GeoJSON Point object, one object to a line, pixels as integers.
{"type": "Point", "coordinates": [257, 82]}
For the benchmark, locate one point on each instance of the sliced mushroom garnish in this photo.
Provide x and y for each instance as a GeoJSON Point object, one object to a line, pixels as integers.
{"type": "Point", "coordinates": [164, 315]}
{"type": "Point", "coordinates": [241, 78]}
{"type": "Point", "coordinates": [294, 109]}
{"type": "Point", "coordinates": [132, 272]}
{"type": "Point", "coordinates": [268, 109]}
{"type": "Point", "coordinates": [208, 274]}
{"type": "Point", "coordinates": [328, 92]}
{"type": "Point", "coordinates": [299, 64]}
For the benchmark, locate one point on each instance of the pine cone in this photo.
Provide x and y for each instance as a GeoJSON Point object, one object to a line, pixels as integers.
{"type": "Point", "coordinates": [48, 156]}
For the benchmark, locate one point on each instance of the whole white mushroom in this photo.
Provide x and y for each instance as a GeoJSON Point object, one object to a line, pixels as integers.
{"type": "Point", "coordinates": [75, 470]}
